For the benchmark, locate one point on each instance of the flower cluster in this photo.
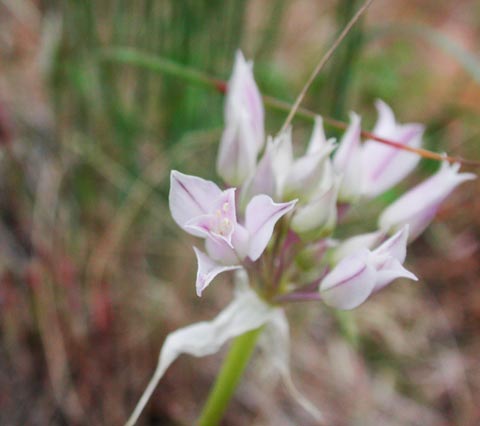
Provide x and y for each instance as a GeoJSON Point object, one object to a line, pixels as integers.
{"type": "Point", "coordinates": [278, 213]}
{"type": "Point", "coordinates": [274, 222]}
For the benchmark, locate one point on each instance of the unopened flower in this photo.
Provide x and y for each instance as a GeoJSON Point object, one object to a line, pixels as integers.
{"type": "Point", "coordinates": [317, 217]}
{"type": "Point", "coordinates": [360, 274]}
{"type": "Point", "coordinates": [418, 206]}
{"type": "Point", "coordinates": [243, 136]}
{"type": "Point", "coordinates": [383, 165]}
{"type": "Point", "coordinates": [284, 177]}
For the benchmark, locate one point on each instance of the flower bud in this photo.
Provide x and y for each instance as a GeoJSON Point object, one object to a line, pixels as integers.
{"type": "Point", "coordinates": [384, 166]}
{"type": "Point", "coordinates": [418, 206]}
{"type": "Point", "coordinates": [243, 136]}
{"type": "Point", "coordinates": [317, 218]}
{"type": "Point", "coordinates": [350, 283]}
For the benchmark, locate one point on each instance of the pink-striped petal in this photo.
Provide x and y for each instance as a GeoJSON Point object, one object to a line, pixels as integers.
{"type": "Point", "coordinates": [260, 218]}
{"type": "Point", "coordinates": [190, 196]}
{"type": "Point", "coordinates": [208, 269]}
{"type": "Point", "coordinates": [350, 283]}
{"type": "Point", "coordinates": [384, 166]}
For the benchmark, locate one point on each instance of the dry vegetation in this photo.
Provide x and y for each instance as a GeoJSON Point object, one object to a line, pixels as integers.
{"type": "Point", "coordinates": [94, 274]}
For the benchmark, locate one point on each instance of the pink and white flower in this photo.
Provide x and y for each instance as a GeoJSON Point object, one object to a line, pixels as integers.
{"type": "Point", "coordinates": [202, 209]}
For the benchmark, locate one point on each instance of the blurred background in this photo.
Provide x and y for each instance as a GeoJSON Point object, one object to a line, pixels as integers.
{"type": "Point", "coordinates": [93, 271]}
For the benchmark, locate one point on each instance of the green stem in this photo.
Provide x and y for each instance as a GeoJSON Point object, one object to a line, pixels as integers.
{"type": "Point", "coordinates": [228, 378]}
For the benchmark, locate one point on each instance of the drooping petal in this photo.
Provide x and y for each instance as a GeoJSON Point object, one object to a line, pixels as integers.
{"type": "Point", "coordinates": [418, 206]}
{"type": "Point", "coordinates": [275, 342]}
{"type": "Point", "coordinates": [350, 283]}
{"type": "Point", "coordinates": [347, 161]}
{"type": "Point", "coordinates": [244, 125]}
{"type": "Point", "coordinates": [208, 269]}
{"type": "Point", "coordinates": [384, 166]}
{"type": "Point", "coordinates": [190, 196]}
{"type": "Point", "coordinates": [246, 312]}
{"type": "Point", "coordinates": [260, 218]}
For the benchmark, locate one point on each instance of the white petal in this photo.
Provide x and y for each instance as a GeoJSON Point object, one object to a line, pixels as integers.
{"type": "Point", "coordinates": [246, 312]}
{"type": "Point", "coordinates": [238, 151]}
{"type": "Point", "coordinates": [282, 159]}
{"type": "Point", "coordinates": [395, 246]}
{"type": "Point", "coordinates": [263, 180]}
{"type": "Point", "coordinates": [391, 270]}
{"type": "Point", "coordinates": [317, 218]}
{"type": "Point", "coordinates": [386, 122]}
{"type": "Point", "coordinates": [318, 139]}
{"type": "Point", "coordinates": [208, 269]}
{"type": "Point", "coordinates": [260, 218]}
{"type": "Point", "coordinates": [347, 161]}
{"type": "Point", "coordinates": [242, 90]}
{"type": "Point", "coordinates": [190, 196]}
{"type": "Point", "coordinates": [306, 173]}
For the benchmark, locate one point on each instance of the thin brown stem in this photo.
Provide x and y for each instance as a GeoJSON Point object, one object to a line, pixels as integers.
{"type": "Point", "coordinates": [165, 66]}
{"type": "Point", "coordinates": [323, 61]}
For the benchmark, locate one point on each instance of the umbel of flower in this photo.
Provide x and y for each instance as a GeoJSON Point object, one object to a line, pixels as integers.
{"type": "Point", "coordinates": [279, 210]}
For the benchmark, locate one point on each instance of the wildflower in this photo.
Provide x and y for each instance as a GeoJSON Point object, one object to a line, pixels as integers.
{"type": "Point", "coordinates": [202, 209]}
{"type": "Point", "coordinates": [273, 227]}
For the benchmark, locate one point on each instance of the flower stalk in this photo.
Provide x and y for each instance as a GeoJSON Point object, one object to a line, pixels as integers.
{"type": "Point", "coordinates": [229, 377]}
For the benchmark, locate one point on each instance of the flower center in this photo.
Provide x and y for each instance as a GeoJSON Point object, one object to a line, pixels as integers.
{"type": "Point", "coordinates": [222, 223]}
